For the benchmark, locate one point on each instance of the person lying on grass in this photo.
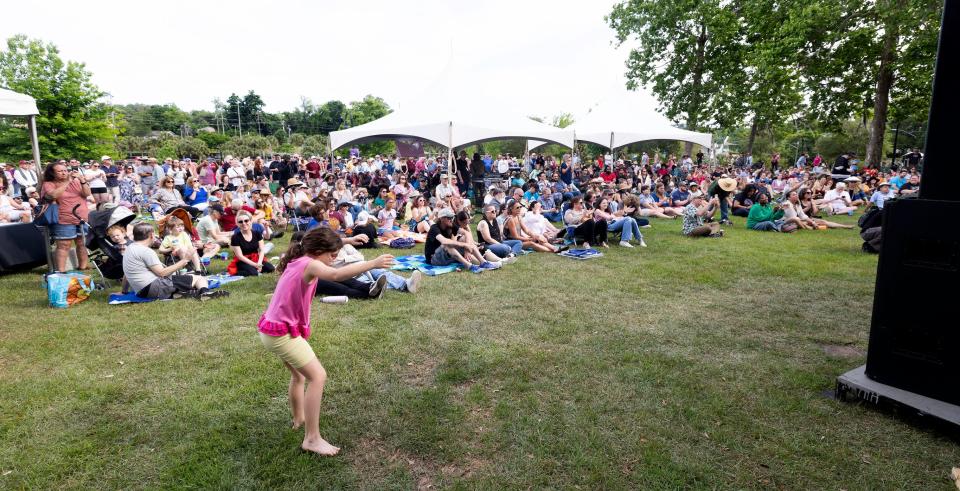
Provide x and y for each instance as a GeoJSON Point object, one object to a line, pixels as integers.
{"type": "Point", "coordinates": [285, 325]}
{"type": "Point", "coordinates": [793, 208]}
{"type": "Point", "coordinates": [371, 284]}
{"type": "Point", "coordinates": [442, 248]}
{"type": "Point", "coordinates": [149, 279]}
{"type": "Point", "coordinates": [766, 217]}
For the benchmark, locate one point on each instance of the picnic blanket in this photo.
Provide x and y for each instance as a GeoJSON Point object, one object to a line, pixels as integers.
{"type": "Point", "coordinates": [419, 263]}
{"type": "Point", "coordinates": [214, 281]}
{"type": "Point", "coordinates": [582, 254]}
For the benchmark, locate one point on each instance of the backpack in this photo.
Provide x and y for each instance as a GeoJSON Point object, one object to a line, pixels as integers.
{"type": "Point", "coordinates": [402, 243]}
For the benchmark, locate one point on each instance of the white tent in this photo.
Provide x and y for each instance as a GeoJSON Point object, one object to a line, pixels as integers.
{"type": "Point", "coordinates": [448, 116]}
{"type": "Point", "coordinates": [15, 104]}
{"type": "Point", "coordinates": [629, 117]}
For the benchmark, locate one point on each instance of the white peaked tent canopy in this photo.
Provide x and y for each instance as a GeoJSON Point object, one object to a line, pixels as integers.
{"type": "Point", "coordinates": [629, 117]}
{"type": "Point", "coordinates": [16, 104]}
{"type": "Point", "coordinates": [451, 117]}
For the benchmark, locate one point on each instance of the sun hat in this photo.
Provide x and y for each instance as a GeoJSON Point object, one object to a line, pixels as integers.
{"type": "Point", "coordinates": [882, 184]}
{"type": "Point", "coordinates": [727, 184]}
{"type": "Point", "coordinates": [105, 158]}
{"type": "Point", "coordinates": [265, 191]}
{"type": "Point", "coordinates": [693, 184]}
{"type": "Point", "coordinates": [293, 182]}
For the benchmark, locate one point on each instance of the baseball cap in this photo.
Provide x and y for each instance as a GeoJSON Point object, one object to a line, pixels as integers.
{"type": "Point", "coordinates": [216, 208]}
{"type": "Point", "coordinates": [105, 158]}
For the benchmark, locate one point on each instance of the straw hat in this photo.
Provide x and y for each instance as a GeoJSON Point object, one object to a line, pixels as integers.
{"type": "Point", "coordinates": [293, 181]}
{"type": "Point", "coordinates": [727, 184]}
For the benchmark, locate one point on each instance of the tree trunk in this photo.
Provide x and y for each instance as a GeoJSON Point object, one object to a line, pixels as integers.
{"type": "Point", "coordinates": [696, 86]}
{"type": "Point", "coordinates": [753, 136]}
{"type": "Point", "coordinates": [881, 100]}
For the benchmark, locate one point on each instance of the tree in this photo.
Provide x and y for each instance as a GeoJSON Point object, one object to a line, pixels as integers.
{"type": "Point", "coordinates": [213, 140]}
{"type": "Point", "coordinates": [860, 56]}
{"type": "Point", "coordinates": [688, 52]}
{"type": "Point", "coordinates": [364, 111]}
{"type": "Point", "coordinates": [72, 123]}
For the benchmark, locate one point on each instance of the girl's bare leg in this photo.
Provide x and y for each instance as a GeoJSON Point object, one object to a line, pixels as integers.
{"type": "Point", "coordinates": [295, 395]}
{"type": "Point", "coordinates": [316, 377]}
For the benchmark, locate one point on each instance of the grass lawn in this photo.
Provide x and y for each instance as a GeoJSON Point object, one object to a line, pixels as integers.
{"type": "Point", "coordinates": [689, 364]}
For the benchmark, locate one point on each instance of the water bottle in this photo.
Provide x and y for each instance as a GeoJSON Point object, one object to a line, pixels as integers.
{"type": "Point", "coordinates": [339, 299]}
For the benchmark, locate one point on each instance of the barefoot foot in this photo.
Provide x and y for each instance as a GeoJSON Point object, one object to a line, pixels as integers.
{"type": "Point", "coordinates": [320, 447]}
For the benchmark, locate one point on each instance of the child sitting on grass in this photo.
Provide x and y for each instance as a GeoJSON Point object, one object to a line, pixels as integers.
{"type": "Point", "coordinates": [176, 240]}
{"type": "Point", "coordinates": [285, 325]}
{"type": "Point", "coordinates": [386, 218]}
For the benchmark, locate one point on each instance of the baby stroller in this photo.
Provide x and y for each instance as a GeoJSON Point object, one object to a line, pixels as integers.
{"type": "Point", "coordinates": [104, 254]}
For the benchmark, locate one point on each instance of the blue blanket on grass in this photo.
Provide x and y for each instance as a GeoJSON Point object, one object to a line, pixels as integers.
{"type": "Point", "coordinates": [582, 254]}
{"type": "Point", "coordinates": [215, 281]}
{"type": "Point", "coordinates": [419, 263]}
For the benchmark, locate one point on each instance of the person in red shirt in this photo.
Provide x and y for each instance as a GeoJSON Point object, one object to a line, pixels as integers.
{"type": "Point", "coordinates": [608, 175]}
{"type": "Point", "coordinates": [69, 189]}
{"type": "Point", "coordinates": [313, 173]}
{"type": "Point", "coordinates": [228, 219]}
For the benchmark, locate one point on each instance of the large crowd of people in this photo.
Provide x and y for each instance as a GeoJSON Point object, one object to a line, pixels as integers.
{"type": "Point", "coordinates": [192, 212]}
{"type": "Point", "coordinates": [537, 203]}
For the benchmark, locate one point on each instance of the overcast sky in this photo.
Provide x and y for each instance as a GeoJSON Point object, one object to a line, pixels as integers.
{"type": "Point", "coordinates": [545, 57]}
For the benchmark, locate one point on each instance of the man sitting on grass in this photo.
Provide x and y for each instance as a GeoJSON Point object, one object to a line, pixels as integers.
{"type": "Point", "coordinates": [765, 217]}
{"type": "Point", "coordinates": [441, 249]}
{"type": "Point", "coordinates": [694, 214]}
{"type": "Point", "coordinates": [149, 279]}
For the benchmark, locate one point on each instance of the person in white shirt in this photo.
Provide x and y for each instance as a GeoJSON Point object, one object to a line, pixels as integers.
{"type": "Point", "coordinates": [838, 199]}
{"type": "Point", "coordinates": [236, 175]}
{"type": "Point", "coordinates": [445, 189]}
{"type": "Point", "coordinates": [24, 177]}
{"type": "Point", "coordinates": [503, 166]}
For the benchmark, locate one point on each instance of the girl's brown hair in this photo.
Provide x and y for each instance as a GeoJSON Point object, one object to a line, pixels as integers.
{"type": "Point", "coordinates": [314, 242]}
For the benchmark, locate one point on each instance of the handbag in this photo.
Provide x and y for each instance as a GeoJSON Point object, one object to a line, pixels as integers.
{"type": "Point", "coordinates": [49, 214]}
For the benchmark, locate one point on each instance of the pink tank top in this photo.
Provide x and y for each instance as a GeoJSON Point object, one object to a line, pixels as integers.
{"type": "Point", "coordinates": [289, 310]}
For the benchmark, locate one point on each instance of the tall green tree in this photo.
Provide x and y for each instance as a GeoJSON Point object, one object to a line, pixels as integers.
{"type": "Point", "coordinates": [860, 56]}
{"type": "Point", "coordinates": [73, 122]}
{"type": "Point", "coordinates": [364, 111]}
{"type": "Point", "coordinates": [689, 50]}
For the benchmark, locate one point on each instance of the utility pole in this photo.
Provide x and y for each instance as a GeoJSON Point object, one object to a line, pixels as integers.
{"type": "Point", "coordinates": [239, 123]}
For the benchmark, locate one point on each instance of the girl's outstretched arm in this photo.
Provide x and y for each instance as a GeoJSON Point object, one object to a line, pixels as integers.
{"type": "Point", "coordinates": [317, 269]}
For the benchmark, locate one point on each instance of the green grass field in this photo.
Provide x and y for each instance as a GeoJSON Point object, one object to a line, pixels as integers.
{"type": "Point", "coordinates": [689, 364]}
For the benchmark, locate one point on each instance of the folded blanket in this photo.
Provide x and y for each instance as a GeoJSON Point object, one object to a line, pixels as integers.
{"type": "Point", "coordinates": [582, 254]}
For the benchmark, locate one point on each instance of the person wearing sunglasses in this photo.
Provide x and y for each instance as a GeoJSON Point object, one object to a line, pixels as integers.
{"type": "Point", "coordinates": [248, 248]}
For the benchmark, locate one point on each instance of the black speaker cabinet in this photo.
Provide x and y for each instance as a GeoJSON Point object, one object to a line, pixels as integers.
{"type": "Point", "coordinates": [915, 332]}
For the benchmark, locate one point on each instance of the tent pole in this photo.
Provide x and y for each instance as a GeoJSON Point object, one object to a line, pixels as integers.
{"type": "Point", "coordinates": [450, 151]}
{"type": "Point", "coordinates": [612, 156]}
{"type": "Point", "coordinates": [32, 124]}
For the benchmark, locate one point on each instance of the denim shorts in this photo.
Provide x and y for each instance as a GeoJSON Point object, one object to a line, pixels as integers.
{"type": "Point", "coordinates": [62, 231]}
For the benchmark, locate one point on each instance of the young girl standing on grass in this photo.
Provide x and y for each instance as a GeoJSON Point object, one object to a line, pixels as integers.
{"type": "Point", "coordinates": [285, 325]}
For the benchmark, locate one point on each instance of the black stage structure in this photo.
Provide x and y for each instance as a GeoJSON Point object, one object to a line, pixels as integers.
{"type": "Point", "coordinates": [913, 358]}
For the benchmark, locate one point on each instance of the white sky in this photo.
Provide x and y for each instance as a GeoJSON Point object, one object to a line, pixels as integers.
{"type": "Point", "coordinates": [546, 57]}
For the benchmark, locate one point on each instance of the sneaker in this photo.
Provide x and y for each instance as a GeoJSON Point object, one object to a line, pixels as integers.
{"type": "Point", "coordinates": [646, 226]}
{"type": "Point", "coordinates": [642, 243]}
{"type": "Point", "coordinates": [413, 282]}
{"type": "Point", "coordinates": [489, 265]}
{"type": "Point", "coordinates": [716, 235]}
{"type": "Point", "coordinates": [476, 269]}
{"type": "Point", "coordinates": [624, 243]}
{"type": "Point", "coordinates": [563, 249]}
{"type": "Point", "coordinates": [508, 260]}
{"type": "Point", "coordinates": [379, 287]}
{"type": "Point", "coordinates": [210, 294]}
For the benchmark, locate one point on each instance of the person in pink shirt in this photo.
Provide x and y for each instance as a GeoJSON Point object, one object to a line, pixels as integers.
{"type": "Point", "coordinates": [285, 326]}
